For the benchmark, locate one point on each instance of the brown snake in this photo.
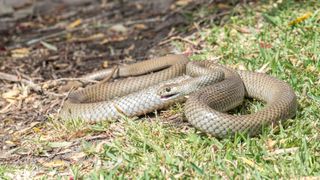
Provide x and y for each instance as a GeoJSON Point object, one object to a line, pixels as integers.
{"type": "Point", "coordinates": [213, 89]}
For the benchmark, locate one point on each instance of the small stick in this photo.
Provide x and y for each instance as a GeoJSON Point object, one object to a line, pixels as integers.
{"type": "Point", "coordinates": [177, 38]}
{"type": "Point", "coordinates": [114, 70]}
{"type": "Point", "coordinates": [13, 78]}
{"type": "Point", "coordinates": [84, 80]}
{"type": "Point", "coordinates": [65, 31]}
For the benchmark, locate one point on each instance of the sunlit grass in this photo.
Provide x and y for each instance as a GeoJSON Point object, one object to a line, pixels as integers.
{"type": "Point", "coordinates": [144, 149]}
{"type": "Point", "coordinates": [153, 149]}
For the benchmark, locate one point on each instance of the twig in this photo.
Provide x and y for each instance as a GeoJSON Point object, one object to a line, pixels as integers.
{"type": "Point", "coordinates": [43, 38]}
{"type": "Point", "coordinates": [83, 80]}
{"type": "Point", "coordinates": [13, 78]}
{"type": "Point", "coordinates": [63, 100]}
{"type": "Point", "coordinates": [10, 77]}
{"type": "Point", "coordinates": [128, 23]}
{"type": "Point", "coordinates": [214, 16]}
{"type": "Point", "coordinates": [6, 108]}
{"type": "Point", "coordinates": [65, 31]}
{"type": "Point", "coordinates": [114, 70]}
{"type": "Point", "coordinates": [91, 138]}
{"type": "Point", "coordinates": [177, 38]}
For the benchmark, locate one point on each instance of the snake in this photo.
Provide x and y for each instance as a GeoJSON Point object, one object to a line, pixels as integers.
{"type": "Point", "coordinates": [208, 89]}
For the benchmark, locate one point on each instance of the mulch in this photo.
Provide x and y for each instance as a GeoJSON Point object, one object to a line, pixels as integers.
{"type": "Point", "coordinates": [52, 42]}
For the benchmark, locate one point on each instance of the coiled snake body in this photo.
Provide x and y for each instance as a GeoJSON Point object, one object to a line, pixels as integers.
{"type": "Point", "coordinates": [213, 89]}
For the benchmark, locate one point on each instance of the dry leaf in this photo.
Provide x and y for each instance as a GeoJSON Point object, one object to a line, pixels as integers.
{"type": "Point", "coordinates": [311, 68]}
{"type": "Point", "coordinates": [25, 130]}
{"type": "Point", "coordinates": [36, 129]}
{"type": "Point", "coordinates": [99, 147]}
{"type": "Point", "coordinates": [77, 156]}
{"type": "Point", "coordinates": [11, 95]}
{"type": "Point", "coordinates": [244, 30]}
{"type": "Point", "coordinates": [242, 67]}
{"type": "Point", "coordinates": [49, 46]}
{"type": "Point", "coordinates": [119, 28]}
{"type": "Point", "coordinates": [20, 53]}
{"type": "Point", "coordinates": [270, 144]}
{"type": "Point", "coordinates": [10, 143]}
{"type": "Point", "coordinates": [300, 19]}
{"type": "Point", "coordinates": [74, 24]}
{"type": "Point", "coordinates": [223, 6]}
{"type": "Point", "coordinates": [264, 68]}
{"type": "Point", "coordinates": [284, 151]}
{"type": "Point", "coordinates": [55, 163]}
{"type": "Point", "coordinates": [113, 39]}
{"type": "Point", "coordinates": [183, 2]}
{"type": "Point", "coordinates": [5, 109]}
{"type": "Point", "coordinates": [60, 144]}
{"type": "Point", "coordinates": [105, 64]}
{"type": "Point", "coordinates": [265, 45]}
{"type": "Point", "coordinates": [251, 163]}
{"type": "Point", "coordinates": [90, 38]}
{"type": "Point", "coordinates": [140, 26]}
{"type": "Point", "coordinates": [233, 33]}
{"type": "Point", "coordinates": [127, 50]}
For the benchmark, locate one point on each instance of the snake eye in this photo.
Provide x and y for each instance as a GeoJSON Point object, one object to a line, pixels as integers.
{"type": "Point", "coordinates": [168, 89]}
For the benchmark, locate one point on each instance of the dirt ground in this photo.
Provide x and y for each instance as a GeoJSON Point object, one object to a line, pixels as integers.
{"type": "Point", "coordinates": [54, 41]}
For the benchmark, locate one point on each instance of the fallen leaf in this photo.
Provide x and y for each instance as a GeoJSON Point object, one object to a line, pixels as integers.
{"type": "Point", "coordinates": [311, 68]}
{"type": "Point", "coordinates": [113, 39]}
{"type": "Point", "coordinates": [77, 156]}
{"type": "Point", "coordinates": [270, 144]}
{"type": "Point", "coordinates": [49, 46]}
{"type": "Point", "coordinates": [5, 10]}
{"type": "Point", "coordinates": [36, 129]}
{"type": "Point", "coordinates": [244, 30]}
{"type": "Point", "coordinates": [223, 6]}
{"type": "Point", "coordinates": [300, 19]}
{"type": "Point", "coordinates": [6, 108]}
{"type": "Point", "coordinates": [242, 67]}
{"type": "Point", "coordinates": [27, 25]}
{"type": "Point", "coordinates": [140, 26]}
{"type": "Point", "coordinates": [284, 151]}
{"type": "Point", "coordinates": [60, 144]}
{"type": "Point", "coordinates": [20, 53]}
{"type": "Point", "coordinates": [233, 33]}
{"type": "Point", "coordinates": [90, 38]}
{"type": "Point", "coordinates": [55, 163]}
{"type": "Point", "coordinates": [251, 163]}
{"type": "Point", "coordinates": [183, 2]}
{"type": "Point", "coordinates": [264, 68]}
{"type": "Point", "coordinates": [265, 45]}
{"type": "Point", "coordinates": [105, 64]}
{"type": "Point", "coordinates": [25, 130]}
{"type": "Point", "coordinates": [10, 143]}
{"type": "Point", "coordinates": [74, 24]}
{"type": "Point", "coordinates": [119, 28]}
{"type": "Point", "coordinates": [127, 50]}
{"type": "Point", "coordinates": [78, 134]}
{"type": "Point", "coordinates": [11, 95]}
{"type": "Point", "coordinates": [99, 148]}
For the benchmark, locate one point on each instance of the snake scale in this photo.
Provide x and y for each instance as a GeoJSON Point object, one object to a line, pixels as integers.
{"type": "Point", "coordinates": [209, 90]}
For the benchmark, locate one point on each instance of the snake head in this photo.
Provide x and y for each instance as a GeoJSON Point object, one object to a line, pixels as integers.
{"type": "Point", "coordinates": [168, 92]}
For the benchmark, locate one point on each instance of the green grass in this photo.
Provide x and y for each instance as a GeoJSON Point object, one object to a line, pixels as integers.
{"type": "Point", "coordinates": [156, 149]}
